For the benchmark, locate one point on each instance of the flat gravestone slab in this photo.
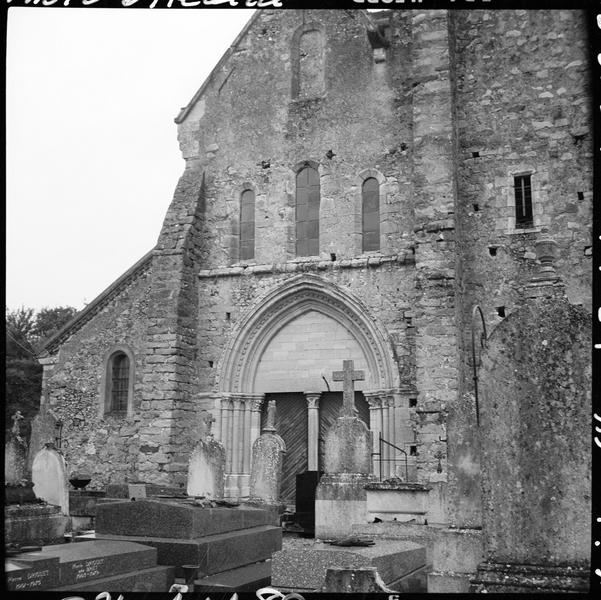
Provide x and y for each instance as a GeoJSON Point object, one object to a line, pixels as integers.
{"type": "Point", "coordinates": [173, 519]}
{"type": "Point", "coordinates": [249, 578]}
{"type": "Point", "coordinates": [70, 564]}
{"type": "Point", "coordinates": [305, 568]}
{"type": "Point", "coordinates": [157, 579]}
{"type": "Point", "coordinates": [31, 572]}
{"type": "Point", "coordinates": [214, 553]}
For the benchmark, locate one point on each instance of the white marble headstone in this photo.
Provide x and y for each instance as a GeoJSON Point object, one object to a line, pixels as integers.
{"type": "Point", "coordinates": [49, 476]}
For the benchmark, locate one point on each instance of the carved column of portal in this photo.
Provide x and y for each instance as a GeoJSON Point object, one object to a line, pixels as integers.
{"type": "Point", "coordinates": [391, 435]}
{"type": "Point", "coordinates": [375, 424]}
{"type": "Point", "coordinates": [227, 422]}
{"type": "Point", "coordinates": [238, 440]}
{"type": "Point", "coordinates": [240, 426]}
{"type": "Point", "coordinates": [313, 429]}
{"type": "Point", "coordinates": [250, 432]}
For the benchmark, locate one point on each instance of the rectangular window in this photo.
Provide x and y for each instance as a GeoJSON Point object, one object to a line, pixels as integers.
{"type": "Point", "coordinates": [523, 202]}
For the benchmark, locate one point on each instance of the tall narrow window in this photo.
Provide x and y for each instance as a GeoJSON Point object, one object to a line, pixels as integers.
{"type": "Point", "coordinates": [308, 59]}
{"type": "Point", "coordinates": [523, 201]}
{"type": "Point", "coordinates": [119, 383]}
{"type": "Point", "coordinates": [247, 225]}
{"type": "Point", "coordinates": [370, 195]}
{"type": "Point", "coordinates": [307, 212]}
{"type": "Point", "coordinates": [311, 63]}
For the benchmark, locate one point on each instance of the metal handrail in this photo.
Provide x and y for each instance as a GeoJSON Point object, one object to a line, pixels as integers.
{"type": "Point", "coordinates": [382, 441]}
{"type": "Point", "coordinates": [475, 363]}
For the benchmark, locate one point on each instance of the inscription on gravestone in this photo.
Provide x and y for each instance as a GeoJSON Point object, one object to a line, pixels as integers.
{"type": "Point", "coordinates": [28, 580]}
{"type": "Point", "coordinates": [87, 569]}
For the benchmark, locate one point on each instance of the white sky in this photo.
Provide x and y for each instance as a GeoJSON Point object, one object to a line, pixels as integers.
{"type": "Point", "coordinates": [92, 152]}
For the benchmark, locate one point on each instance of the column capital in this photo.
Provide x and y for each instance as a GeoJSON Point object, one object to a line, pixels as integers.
{"type": "Point", "coordinates": [312, 399]}
{"type": "Point", "coordinates": [374, 398]}
{"type": "Point", "coordinates": [241, 398]}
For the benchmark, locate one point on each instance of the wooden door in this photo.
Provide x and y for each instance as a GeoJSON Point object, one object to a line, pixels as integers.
{"type": "Point", "coordinates": [291, 425]}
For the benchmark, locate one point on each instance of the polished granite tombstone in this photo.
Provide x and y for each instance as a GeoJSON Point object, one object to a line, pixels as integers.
{"type": "Point", "coordinates": [217, 540]}
{"type": "Point", "coordinates": [96, 565]}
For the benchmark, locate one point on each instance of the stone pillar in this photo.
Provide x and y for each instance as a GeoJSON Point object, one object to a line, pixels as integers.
{"type": "Point", "coordinates": [48, 363]}
{"type": "Point", "coordinates": [239, 427]}
{"type": "Point", "coordinates": [256, 401]}
{"type": "Point", "coordinates": [437, 356]}
{"type": "Point", "coordinates": [375, 425]}
{"type": "Point", "coordinates": [313, 429]}
{"type": "Point", "coordinates": [238, 435]}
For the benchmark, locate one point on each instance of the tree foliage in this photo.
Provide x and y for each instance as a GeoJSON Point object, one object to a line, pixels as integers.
{"type": "Point", "coordinates": [26, 333]}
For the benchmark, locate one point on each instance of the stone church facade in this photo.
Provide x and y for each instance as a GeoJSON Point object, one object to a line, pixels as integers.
{"type": "Point", "coordinates": [354, 184]}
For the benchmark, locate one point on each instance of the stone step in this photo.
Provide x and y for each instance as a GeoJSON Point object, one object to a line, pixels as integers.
{"type": "Point", "coordinates": [249, 578]}
{"type": "Point", "coordinates": [71, 564]}
{"type": "Point", "coordinates": [174, 519]}
{"type": "Point", "coordinates": [212, 553]}
{"type": "Point", "coordinates": [156, 579]}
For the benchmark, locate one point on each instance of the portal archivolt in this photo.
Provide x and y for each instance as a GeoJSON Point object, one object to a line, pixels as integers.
{"type": "Point", "coordinates": [290, 302]}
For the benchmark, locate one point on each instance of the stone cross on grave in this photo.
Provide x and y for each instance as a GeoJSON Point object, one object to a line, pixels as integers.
{"type": "Point", "coordinates": [348, 376]}
{"type": "Point", "coordinates": [271, 409]}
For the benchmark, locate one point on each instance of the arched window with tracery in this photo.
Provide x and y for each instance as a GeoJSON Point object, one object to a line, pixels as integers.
{"type": "Point", "coordinates": [307, 211]}
{"type": "Point", "coordinates": [370, 196]}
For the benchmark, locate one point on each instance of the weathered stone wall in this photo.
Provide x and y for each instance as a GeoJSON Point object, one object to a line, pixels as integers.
{"type": "Point", "coordinates": [249, 129]}
{"type": "Point", "coordinates": [522, 98]}
{"type": "Point", "coordinates": [442, 112]}
{"type": "Point", "coordinates": [104, 445]}
{"type": "Point", "coordinates": [536, 463]}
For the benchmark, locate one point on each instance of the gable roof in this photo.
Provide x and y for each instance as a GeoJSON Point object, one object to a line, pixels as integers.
{"type": "Point", "coordinates": [96, 305]}
{"type": "Point", "coordinates": [370, 22]}
{"type": "Point", "coordinates": [183, 113]}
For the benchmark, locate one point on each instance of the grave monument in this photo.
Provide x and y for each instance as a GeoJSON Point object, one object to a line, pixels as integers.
{"type": "Point", "coordinates": [536, 456]}
{"type": "Point", "coordinates": [341, 499]}
{"type": "Point", "coordinates": [28, 519]}
{"type": "Point", "coordinates": [49, 476]}
{"type": "Point", "coordinates": [230, 547]}
{"type": "Point", "coordinates": [15, 453]}
{"type": "Point", "coordinates": [206, 468]}
{"type": "Point", "coordinates": [267, 460]}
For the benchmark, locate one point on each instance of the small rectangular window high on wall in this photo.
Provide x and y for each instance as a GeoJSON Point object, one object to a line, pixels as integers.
{"type": "Point", "coordinates": [523, 201]}
{"type": "Point", "coordinates": [247, 225]}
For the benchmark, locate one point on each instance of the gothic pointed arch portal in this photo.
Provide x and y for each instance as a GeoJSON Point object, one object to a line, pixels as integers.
{"type": "Point", "coordinates": [291, 341]}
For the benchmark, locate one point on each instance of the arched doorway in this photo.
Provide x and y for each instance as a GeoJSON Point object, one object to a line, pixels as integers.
{"type": "Point", "coordinates": [286, 348]}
